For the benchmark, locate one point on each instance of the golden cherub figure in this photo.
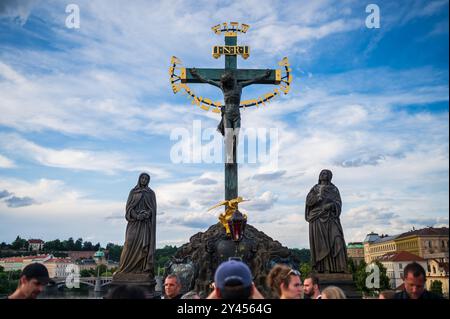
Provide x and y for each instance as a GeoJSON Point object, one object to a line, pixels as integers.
{"type": "Point", "coordinates": [231, 206]}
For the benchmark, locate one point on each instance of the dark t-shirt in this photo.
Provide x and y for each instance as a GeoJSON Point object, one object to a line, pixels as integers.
{"type": "Point", "coordinates": [426, 295]}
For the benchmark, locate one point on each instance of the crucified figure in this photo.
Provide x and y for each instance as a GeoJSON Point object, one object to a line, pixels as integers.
{"type": "Point", "coordinates": [231, 116]}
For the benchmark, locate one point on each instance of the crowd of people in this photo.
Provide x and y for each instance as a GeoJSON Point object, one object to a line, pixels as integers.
{"type": "Point", "coordinates": [233, 279]}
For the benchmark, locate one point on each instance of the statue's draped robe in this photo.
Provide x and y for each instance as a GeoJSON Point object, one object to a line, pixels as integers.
{"type": "Point", "coordinates": [138, 253]}
{"type": "Point", "coordinates": [326, 238]}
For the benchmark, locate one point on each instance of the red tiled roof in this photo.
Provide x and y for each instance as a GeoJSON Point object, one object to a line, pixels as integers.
{"type": "Point", "coordinates": [400, 256]}
{"type": "Point", "coordinates": [36, 241]}
{"type": "Point", "coordinates": [12, 259]}
{"type": "Point", "coordinates": [36, 257]}
{"type": "Point", "coordinates": [58, 260]}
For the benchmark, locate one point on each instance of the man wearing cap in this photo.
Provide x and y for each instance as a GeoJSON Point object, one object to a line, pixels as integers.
{"type": "Point", "coordinates": [233, 280]}
{"type": "Point", "coordinates": [33, 279]}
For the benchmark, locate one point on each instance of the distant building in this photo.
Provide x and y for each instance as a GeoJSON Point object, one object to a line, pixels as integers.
{"type": "Point", "coordinates": [428, 243]}
{"type": "Point", "coordinates": [57, 267]}
{"type": "Point", "coordinates": [11, 263]}
{"type": "Point", "coordinates": [36, 259]}
{"type": "Point", "coordinates": [99, 257]}
{"type": "Point", "coordinates": [376, 246]}
{"type": "Point", "coordinates": [78, 255]}
{"type": "Point", "coordinates": [35, 244]}
{"type": "Point", "coordinates": [355, 251]}
{"type": "Point", "coordinates": [86, 264]}
{"type": "Point", "coordinates": [18, 263]}
{"type": "Point", "coordinates": [395, 264]}
{"type": "Point", "coordinates": [438, 271]}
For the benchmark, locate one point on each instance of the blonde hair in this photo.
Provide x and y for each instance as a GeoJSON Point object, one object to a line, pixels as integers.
{"type": "Point", "coordinates": [333, 292]}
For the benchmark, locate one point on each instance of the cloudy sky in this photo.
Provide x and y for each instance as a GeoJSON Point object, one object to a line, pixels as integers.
{"type": "Point", "coordinates": [84, 110]}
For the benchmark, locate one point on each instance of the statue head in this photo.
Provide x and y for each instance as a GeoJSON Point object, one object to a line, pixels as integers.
{"type": "Point", "coordinates": [227, 79]}
{"type": "Point", "coordinates": [144, 180]}
{"type": "Point", "coordinates": [325, 176]}
{"type": "Point", "coordinates": [237, 225]}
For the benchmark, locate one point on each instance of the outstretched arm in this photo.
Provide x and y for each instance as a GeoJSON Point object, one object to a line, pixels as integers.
{"type": "Point", "coordinates": [197, 76]}
{"type": "Point", "coordinates": [259, 78]}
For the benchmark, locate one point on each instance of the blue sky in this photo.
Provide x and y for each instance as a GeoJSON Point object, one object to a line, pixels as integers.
{"type": "Point", "coordinates": [84, 111]}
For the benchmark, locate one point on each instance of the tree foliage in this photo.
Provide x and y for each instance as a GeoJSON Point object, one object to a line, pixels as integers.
{"type": "Point", "coordinates": [436, 287]}
{"type": "Point", "coordinates": [369, 287]}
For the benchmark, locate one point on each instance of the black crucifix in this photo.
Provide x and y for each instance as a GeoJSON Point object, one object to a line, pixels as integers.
{"type": "Point", "coordinates": [231, 80]}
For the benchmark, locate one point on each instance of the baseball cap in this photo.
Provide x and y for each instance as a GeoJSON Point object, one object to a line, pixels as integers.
{"type": "Point", "coordinates": [233, 273]}
{"type": "Point", "coordinates": [36, 271]}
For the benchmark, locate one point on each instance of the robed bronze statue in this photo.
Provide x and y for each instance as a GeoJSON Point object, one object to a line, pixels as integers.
{"type": "Point", "coordinates": [326, 237]}
{"type": "Point", "coordinates": [138, 255]}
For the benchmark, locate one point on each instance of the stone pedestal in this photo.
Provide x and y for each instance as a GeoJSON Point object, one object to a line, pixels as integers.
{"type": "Point", "coordinates": [196, 262]}
{"type": "Point", "coordinates": [341, 280]}
{"type": "Point", "coordinates": [144, 281]}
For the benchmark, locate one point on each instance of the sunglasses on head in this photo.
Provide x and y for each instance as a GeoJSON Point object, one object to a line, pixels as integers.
{"type": "Point", "coordinates": [293, 272]}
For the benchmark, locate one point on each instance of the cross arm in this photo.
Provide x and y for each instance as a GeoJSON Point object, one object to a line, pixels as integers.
{"type": "Point", "coordinates": [241, 74]}
{"type": "Point", "coordinates": [257, 79]}
{"type": "Point", "coordinates": [202, 79]}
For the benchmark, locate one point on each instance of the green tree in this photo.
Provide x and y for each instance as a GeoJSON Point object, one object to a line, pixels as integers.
{"type": "Point", "coordinates": [85, 273]}
{"type": "Point", "coordinates": [78, 246]}
{"type": "Point", "coordinates": [100, 269]}
{"type": "Point", "coordinates": [7, 284]}
{"type": "Point", "coordinates": [114, 251]}
{"type": "Point", "coordinates": [2, 269]}
{"type": "Point", "coordinates": [351, 265]}
{"type": "Point", "coordinates": [68, 244]}
{"type": "Point", "coordinates": [106, 274]}
{"type": "Point", "coordinates": [360, 278]}
{"type": "Point", "coordinates": [87, 246]}
{"type": "Point", "coordinates": [304, 255]}
{"type": "Point", "coordinates": [19, 243]}
{"type": "Point", "coordinates": [305, 269]}
{"type": "Point", "coordinates": [436, 287]}
{"type": "Point", "coordinates": [53, 245]}
{"type": "Point", "coordinates": [163, 255]}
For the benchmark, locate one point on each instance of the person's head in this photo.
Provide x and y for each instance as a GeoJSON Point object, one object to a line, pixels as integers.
{"type": "Point", "coordinates": [227, 79]}
{"type": "Point", "coordinates": [333, 292]}
{"type": "Point", "coordinates": [33, 280]}
{"type": "Point", "coordinates": [190, 295]}
{"type": "Point", "coordinates": [172, 286]}
{"type": "Point", "coordinates": [144, 180]}
{"type": "Point", "coordinates": [414, 278]}
{"type": "Point", "coordinates": [126, 292]}
{"type": "Point", "coordinates": [325, 176]}
{"type": "Point", "coordinates": [233, 280]}
{"type": "Point", "coordinates": [387, 294]}
{"type": "Point", "coordinates": [285, 282]}
{"type": "Point", "coordinates": [311, 286]}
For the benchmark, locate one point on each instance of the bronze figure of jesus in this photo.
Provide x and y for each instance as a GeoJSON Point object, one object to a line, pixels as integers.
{"type": "Point", "coordinates": [231, 116]}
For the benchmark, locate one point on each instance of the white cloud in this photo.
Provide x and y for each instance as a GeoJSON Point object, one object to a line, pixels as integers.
{"type": "Point", "coordinates": [6, 162]}
{"type": "Point", "coordinates": [108, 82]}
{"type": "Point", "coordinates": [76, 159]}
